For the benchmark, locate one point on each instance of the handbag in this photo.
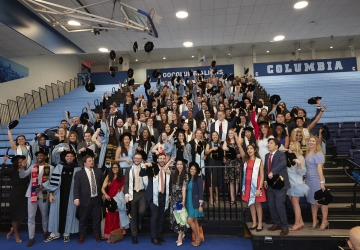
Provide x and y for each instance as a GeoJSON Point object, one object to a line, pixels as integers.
{"type": "Point", "coordinates": [116, 235]}
{"type": "Point", "coordinates": [201, 232]}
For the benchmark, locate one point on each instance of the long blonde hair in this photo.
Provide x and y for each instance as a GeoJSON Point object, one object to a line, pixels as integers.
{"type": "Point", "coordinates": [303, 140]}
{"type": "Point", "coordinates": [297, 148]}
{"type": "Point", "coordinates": [318, 147]}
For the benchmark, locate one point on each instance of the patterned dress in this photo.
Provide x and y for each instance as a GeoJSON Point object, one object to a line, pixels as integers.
{"type": "Point", "coordinates": [233, 167]}
{"type": "Point", "coordinates": [177, 196]}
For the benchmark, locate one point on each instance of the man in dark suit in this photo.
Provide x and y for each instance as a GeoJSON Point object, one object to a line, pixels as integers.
{"type": "Point", "coordinates": [86, 144]}
{"type": "Point", "coordinates": [157, 195]}
{"type": "Point", "coordinates": [119, 130]}
{"type": "Point", "coordinates": [87, 195]}
{"type": "Point", "coordinates": [112, 118]}
{"type": "Point", "coordinates": [197, 106]}
{"type": "Point", "coordinates": [134, 190]}
{"type": "Point", "coordinates": [221, 126]}
{"type": "Point", "coordinates": [275, 163]}
{"type": "Point", "coordinates": [200, 115]}
{"type": "Point", "coordinates": [154, 134]}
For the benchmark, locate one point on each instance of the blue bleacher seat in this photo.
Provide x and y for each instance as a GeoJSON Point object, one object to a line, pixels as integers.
{"type": "Point", "coordinates": [333, 125]}
{"type": "Point", "coordinates": [357, 132]}
{"type": "Point", "coordinates": [345, 133]}
{"type": "Point", "coordinates": [342, 146]}
{"type": "Point", "coordinates": [333, 135]}
{"type": "Point", "coordinates": [355, 156]}
{"type": "Point", "coordinates": [347, 125]}
{"type": "Point", "coordinates": [356, 143]}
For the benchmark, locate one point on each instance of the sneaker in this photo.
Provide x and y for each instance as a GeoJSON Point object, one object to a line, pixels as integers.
{"type": "Point", "coordinates": [66, 239]}
{"type": "Point", "coordinates": [51, 238]}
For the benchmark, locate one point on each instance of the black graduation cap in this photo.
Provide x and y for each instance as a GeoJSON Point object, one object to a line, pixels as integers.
{"type": "Point", "coordinates": [275, 99]}
{"type": "Point", "coordinates": [198, 71]}
{"type": "Point", "coordinates": [213, 63]}
{"type": "Point", "coordinates": [87, 152]}
{"type": "Point", "coordinates": [277, 182]}
{"type": "Point", "coordinates": [112, 71]}
{"type": "Point", "coordinates": [179, 102]}
{"type": "Point", "coordinates": [279, 124]}
{"type": "Point", "coordinates": [181, 159]}
{"type": "Point", "coordinates": [251, 87]}
{"type": "Point", "coordinates": [135, 47]}
{"type": "Point", "coordinates": [178, 78]}
{"type": "Point", "coordinates": [179, 130]}
{"type": "Point", "coordinates": [156, 73]}
{"type": "Point", "coordinates": [147, 110]}
{"type": "Point", "coordinates": [65, 153]}
{"type": "Point", "coordinates": [84, 118]}
{"type": "Point", "coordinates": [110, 205]}
{"type": "Point", "coordinates": [17, 157]}
{"type": "Point", "coordinates": [112, 55]}
{"type": "Point", "coordinates": [121, 60]}
{"type": "Point", "coordinates": [157, 94]}
{"type": "Point", "coordinates": [128, 209]}
{"type": "Point", "coordinates": [130, 73]}
{"type": "Point", "coordinates": [230, 78]}
{"type": "Point", "coordinates": [231, 154]}
{"type": "Point", "coordinates": [191, 73]}
{"type": "Point", "coordinates": [131, 82]}
{"type": "Point", "coordinates": [68, 113]}
{"type": "Point", "coordinates": [293, 112]}
{"type": "Point", "coordinates": [143, 154]}
{"type": "Point", "coordinates": [183, 74]}
{"type": "Point", "coordinates": [172, 79]}
{"type": "Point", "coordinates": [247, 98]}
{"type": "Point", "coordinates": [211, 89]}
{"type": "Point", "coordinates": [42, 151]}
{"type": "Point", "coordinates": [290, 157]}
{"type": "Point", "coordinates": [246, 70]}
{"type": "Point", "coordinates": [149, 46]}
{"type": "Point", "coordinates": [200, 147]}
{"type": "Point", "coordinates": [90, 87]}
{"type": "Point", "coordinates": [224, 76]}
{"type": "Point", "coordinates": [13, 124]}
{"type": "Point", "coordinates": [248, 128]}
{"type": "Point", "coordinates": [195, 164]}
{"type": "Point", "coordinates": [313, 100]}
{"type": "Point", "coordinates": [299, 118]}
{"type": "Point", "coordinates": [263, 123]}
{"type": "Point", "coordinates": [215, 71]}
{"type": "Point", "coordinates": [278, 109]}
{"type": "Point", "coordinates": [43, 135]}
{"type": "Point", "coordinates": [218, 154]}
{"type": "Point", "coordinates": [323, 197]}
{"type": "Point", "coordinates": [240, 104]}
{"type": "Point", "coordinates": [325, 132]}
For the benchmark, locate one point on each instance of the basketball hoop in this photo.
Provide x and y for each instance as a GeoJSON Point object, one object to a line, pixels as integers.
{"type": "Point", "coordinates": [155, 17]}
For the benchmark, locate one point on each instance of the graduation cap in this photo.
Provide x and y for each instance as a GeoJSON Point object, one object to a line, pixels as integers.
{"type": "Point", "coordinates": [211, 89]}
{"type": "Point", "coordinates": [130, 73]}
{"type": "Point", "coordinates": [200, 147]}
{"type": "Point", "coordinates": [224, 76]}
{"type": "Point", "coordinates": [325, 133]}
{"type": "Point", "coordinates": [65, 153]}
{"type": "Point", "coordinates": [194, 164]}
{"type": "Point", "coordinates": [178, 79]}
{"type": "Point", "coordinates": [231, 154]}
{"type": "Point", "coordinates": [230, 78]}
{"type": "Point", "coordinates": [218, 154]}
{"type": "Point", "coordinates": [178, 205]}
{"type": "Point", "coordinates": [186, 81]}
{"type": "Point", "coordinates": [278, 109]}
{"type": "Point", "coordinates": [179, 102]}
{"type": "Point", "coordinates": [43, 135]}
{"type": "Point", "coordinates": [121, 60]}
{"type": "Point", "coordinates": [156, 73]}
{"type": "Point", "coordinates": [247, 98]}
{"type": "Point", "coordinates": [152, 171]}
{"type": "Point", "coordinates": [90, 87]}
{"type": "Point", "coordinates": [183, 74]}
{"type": "Point", "coordinates": [248, 129]}
{"type": "Point", "coordinates": [143, 154]}
{"type": "Point", "coordinates": [68, 113]}
{"type": "Point", "coordinates": [246, 70]}
{"type": "Point", "coordinates": [110, 205]}
{"type": "Point", "coordinates": [157, 94]}
{"type": "Point", "coordinates": [279, 124]}
{"type": "Point", "coordinates": [313, 100]}
{"type": "Point", "coordinates": [112, 71]}
{"type": "Point", "coordinates": [179, 130]}
{"type": "Point", "coordinates": [84, 118]}
{"type": "Point", "coordinates": [42, 151]}
{"type": "Point", "coordinates": [149, 46]}
{"type": "Point", "coordinates": [131, 82]}
{"type": "Point", "coordinates": [264, 123]}
{"type": "Point", "coordinates": [112, 55]}
{"type": "Point", "coordinates": [13, 124]}
{"type": "Point", "coordinates": [323, 197]}
{"type": "Point", "coordinates": [135, 47]}
{"type": "Point", "coordinates": [240, 104]}
{"type": "Point", "coordinates": [87, 152]}
{"type": "Point", "coordinates": [128, 209]}
{"type": "Point", "coordinates": [215, 71]}
{"type": "Point", "coordinates": [17, 157]}
{"type": "Point", "coordinates": [198, 71]}
{"type": "Point", "coordinates": [191, 73]}
{"type": "Point", "coordinates": [293, 112]}
{"type": "Point", "coordinates": [181, 159]}
{"type": "Point", "coordinates": [213, 63]}
{"type": "Point", "coordinates": [277, 182]}
{"type": "Point", "coordinates": [251, 87]}
{"type": "Point", "coordinates": [290, 157]}
{"type": "Point", "coordinates": [275, 99]}
{"type": "Point", "coordinates": [299, 118]}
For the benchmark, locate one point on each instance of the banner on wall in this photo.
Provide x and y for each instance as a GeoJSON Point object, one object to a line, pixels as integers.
{"type": "Point", "coordinates": [305, 67]}
{"type": "Point", "coordinates": [168, 72]}
{"type": "Point", "coordinates": [10, 70]}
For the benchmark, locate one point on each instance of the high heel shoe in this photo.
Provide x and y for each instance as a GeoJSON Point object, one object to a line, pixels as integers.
{"type": "Point", "coordinates": [10, 233]}
{"type": "Point", "coordinates": [313, 228]}
{"type": "Point", "coordinates": [324, 226]}
{"type": "Point", "coordinates": [253, 228]}
{"type": "Point", "coordinates": [216, 201]}
{"type": "Point", "coordinates": [295, 228]}
{"type": "Point", "coordinates": [182, 238]}
{"type": "Point", "coordinates": [211, 201]}
{"type": "Point", "coordinates": [196, 243]}
{"type": "Point", "coordinates": [17, 238]}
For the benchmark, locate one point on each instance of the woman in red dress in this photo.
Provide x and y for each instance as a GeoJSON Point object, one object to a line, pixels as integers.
{"type": "Point", "coordinates": [114, 183]}
{"type": "Point", "coordinates": [253, 179]}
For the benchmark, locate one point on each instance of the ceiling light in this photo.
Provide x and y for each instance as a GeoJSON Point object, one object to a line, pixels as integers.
{"type": "Point", "coordinates": [331, 47]}
{"type": "Point", "coordinates": [267, 51]}
{"type": "Point", "coordinates": [188, 44]}
{"type": "Point", "coordinates": [74, 23]}
{"type": "Point", "coordinates": [136, 60]}
{"type": "Point", "coordinates": [164, 57]}
{"type": "Point", "coordinates": [229, 54]}
{"type": "Point", "coordinates": [103, 50]}
{"type": "Point", "coordinates": [301, 5]}
{"type": "Point", "coordinates": [279, 38]}
{"type": "Point", "coordinates": [192, 56]}
{"type": "Point", "coordinates": [181, 14]}
{"type": "Point", "coordinates": [299, 49]}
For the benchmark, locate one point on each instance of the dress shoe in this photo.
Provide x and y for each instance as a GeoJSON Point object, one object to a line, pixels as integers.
{"type": "Point", "coordinates": [156, 242]}
{"type": "Point", "coordinates": [135, 240]}
{"type": "Point", "coordinates": [259, 229]}
{"type": "Point", "coordinates": [274, 228]}
{"type": "Point", "coordinates": [46, 235]}
{"type": "Point", "coordinates": [30, 242]}
{"type": "Point", "coordinates": [284, 232]}
{"type": "Point", "coordinates": [253, 228]}
{"type": "Point", "coordinates": [161, 239]}
{"type": "Point", "coordinates": [98, 238]}
{"type": "Point", "coordinates": [81, 239]}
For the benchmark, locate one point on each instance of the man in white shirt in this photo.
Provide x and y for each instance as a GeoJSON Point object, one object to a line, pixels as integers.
{"type": "Point", "coordinates": [221, 126]}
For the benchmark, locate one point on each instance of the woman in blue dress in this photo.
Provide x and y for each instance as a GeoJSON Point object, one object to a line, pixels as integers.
{"type": "Point", "coordinates": [194, 200]}
{"type": "Point", "coordinates": [124, 153]}
{"type": "Point", "coordinates": [314, 161]}
{"type": "Point", "coordinates": [297, 187]}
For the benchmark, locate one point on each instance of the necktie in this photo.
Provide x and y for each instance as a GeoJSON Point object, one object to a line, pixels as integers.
{"type": "Point", "coordinates": [137, 179]}
{"type": "Point", "coordinates": [199, 107]}
{"type": "Point", "coordinates": [111, 121]}
{"type": "Point", "coordinates": [220, 130]}
{"type": "Point", "coordinates": [88, 144]}
{"type": "Point", "coordinates": [161, 181]}
{"type": "Point", "coordinates": [270, 163]}
{"type": "Point", "coordinates": [93, 184]}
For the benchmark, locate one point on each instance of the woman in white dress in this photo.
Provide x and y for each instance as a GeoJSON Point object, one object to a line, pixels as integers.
{"type": "Point", "coordinates": [264, 135]}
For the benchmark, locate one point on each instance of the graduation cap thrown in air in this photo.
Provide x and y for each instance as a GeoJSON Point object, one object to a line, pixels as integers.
{"type": "Point", "coordinates": [121, 60]}
{"type": "Point", "coordinates": [135, 47]}
{"type": "Point", "coordinates": [313, 100]}
{"type": "Point", "coordinates": [156, 73]}
{"type": "Point", "coordinates": [149, 46]}
{"type": "Point", "coordinates": [213, 63]}
{"type": "Point", "coordinates": [112, 55]}
{"type": "Point", "coordinates": [112, 71]}
{"type": "Point", "coordinates": [13, 124]}
{"type": "Point", "coordinates": [275, 99]}
{"type": "Point", "coordinates": [90, 87]}
{"type": "Point", "coordinates": [130, 73]}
